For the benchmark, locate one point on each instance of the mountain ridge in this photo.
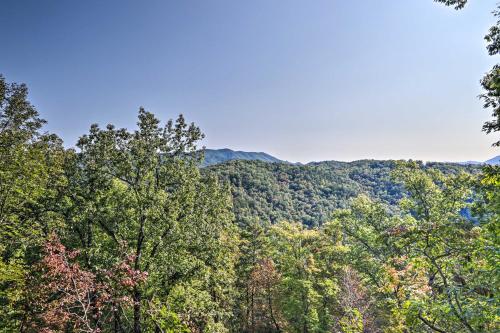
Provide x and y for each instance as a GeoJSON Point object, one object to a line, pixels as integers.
{"type": "Point", "coordinates": [493, 161]}
{"type": "Point", "coordinates": [217, 156]}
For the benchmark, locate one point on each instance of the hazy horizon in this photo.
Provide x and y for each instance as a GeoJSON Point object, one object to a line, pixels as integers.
{"type": "Point", "coordinates": [302, 81]}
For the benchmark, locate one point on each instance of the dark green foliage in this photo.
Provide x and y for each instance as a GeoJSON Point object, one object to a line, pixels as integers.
{"type": "Point", "coordinates": [122, 235]}
{"type": "Point", "coordinates": [139, 195]}
{"type": "Point", "coordinates": [491, 81]}
{"type": "Point", "coordinates": [457, 4]}
{"type": "Point", "coordinates": [310, 193]}
{"type": "Point", "coordinates": [491, 99]}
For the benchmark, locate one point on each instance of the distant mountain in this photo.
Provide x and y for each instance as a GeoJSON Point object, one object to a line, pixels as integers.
{"type": "Point", "coordinates": [216, 156]}
{"type": "Point", "coordinates": [493, 161]}
{"type": "Point", "coordinates": [471, 163]}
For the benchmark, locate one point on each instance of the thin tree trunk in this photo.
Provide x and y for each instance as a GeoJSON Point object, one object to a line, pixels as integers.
{"type": "Point", "coordinates": [252, 311]}
{"type": "Point", "coordinates": [270, 302]}
{"type": "Point", "coordinates": [117, 320]}
{"type": "Point", "coordinates": [137, 310]}
{"type": "Point", "coordinates": [137, 296]}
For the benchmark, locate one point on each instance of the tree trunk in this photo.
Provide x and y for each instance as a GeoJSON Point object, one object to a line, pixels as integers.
{"type": "Point", "coordinates": [270, 302]}
{"type": "Point", "coordinates": [137, 310]}
{"type": "Point", "coordinates": [117, 320]}
{"type": "Point", "coordinates": [137, 293]}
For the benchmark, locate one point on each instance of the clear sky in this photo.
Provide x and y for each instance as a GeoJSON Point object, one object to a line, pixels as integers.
{"type": "Point", "coordinates": [302, 80]}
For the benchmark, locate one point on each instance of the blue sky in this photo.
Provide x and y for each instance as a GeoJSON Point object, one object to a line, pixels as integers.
{"type": "Point", "coordinates": [302, 80]}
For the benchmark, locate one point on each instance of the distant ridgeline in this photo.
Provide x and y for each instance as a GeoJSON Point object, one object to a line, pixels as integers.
{"type": "Point", "coordinates": [216, 156]}
{"type": "Point", "coordinates": [493, 161]}
{"type": "Point", "coordinates": [274, 192]}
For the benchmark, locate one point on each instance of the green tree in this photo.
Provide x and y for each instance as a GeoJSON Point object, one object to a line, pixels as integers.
{"type": "Point", "coordinates": [251, 311]}
{"type": "Point", "coordinates": [430, 262]}
{"type": "Point", "coordinates": [307, 260]}
{"type": "Point", "coordinates": [31, 179]}
{"type": "Point", "coordinates": [141, 194]}
{"type": "Point", "coordinates": [368, 229]}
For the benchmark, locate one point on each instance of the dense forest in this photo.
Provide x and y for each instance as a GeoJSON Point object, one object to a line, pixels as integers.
{"type": "Point", "coordinates": [273, 192]}
{"type": "Point", "coordinates": [126, 233]}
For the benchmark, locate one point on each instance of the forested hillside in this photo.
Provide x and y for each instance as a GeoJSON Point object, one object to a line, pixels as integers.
{"type": "Point", "coordinates": [310, 193]}
{"type": "Point", "coordinates": [126, 233]}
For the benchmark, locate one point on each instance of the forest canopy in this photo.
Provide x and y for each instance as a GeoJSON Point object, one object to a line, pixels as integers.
{"type": "Point", "coordinates": [125, 233]}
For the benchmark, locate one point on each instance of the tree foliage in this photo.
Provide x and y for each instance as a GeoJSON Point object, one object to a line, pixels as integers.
{"type": "Point", "coordinates": [31, 178]}
{"type": "Point", "coordinates": [125, 233]}
{"type": "Point", "coordinates": [274, 192]}
{"type": "Point", "coordinates": [142, 194]}
{"type": "Point", "coordinates": [429, 263]}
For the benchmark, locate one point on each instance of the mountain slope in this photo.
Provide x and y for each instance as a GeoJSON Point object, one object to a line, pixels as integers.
{"type": "Point", "coordinates": [216, 156]}
{"type": "Point", "coordinates": [493, 161]}
{"type": "Point", "coordinates": [274, 192]}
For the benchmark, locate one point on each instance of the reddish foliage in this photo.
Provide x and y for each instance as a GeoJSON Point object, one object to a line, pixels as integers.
{"type": "Point", "coordinates": [125, 275]}
{"type": "Point", "coordinates": [67, 295]}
